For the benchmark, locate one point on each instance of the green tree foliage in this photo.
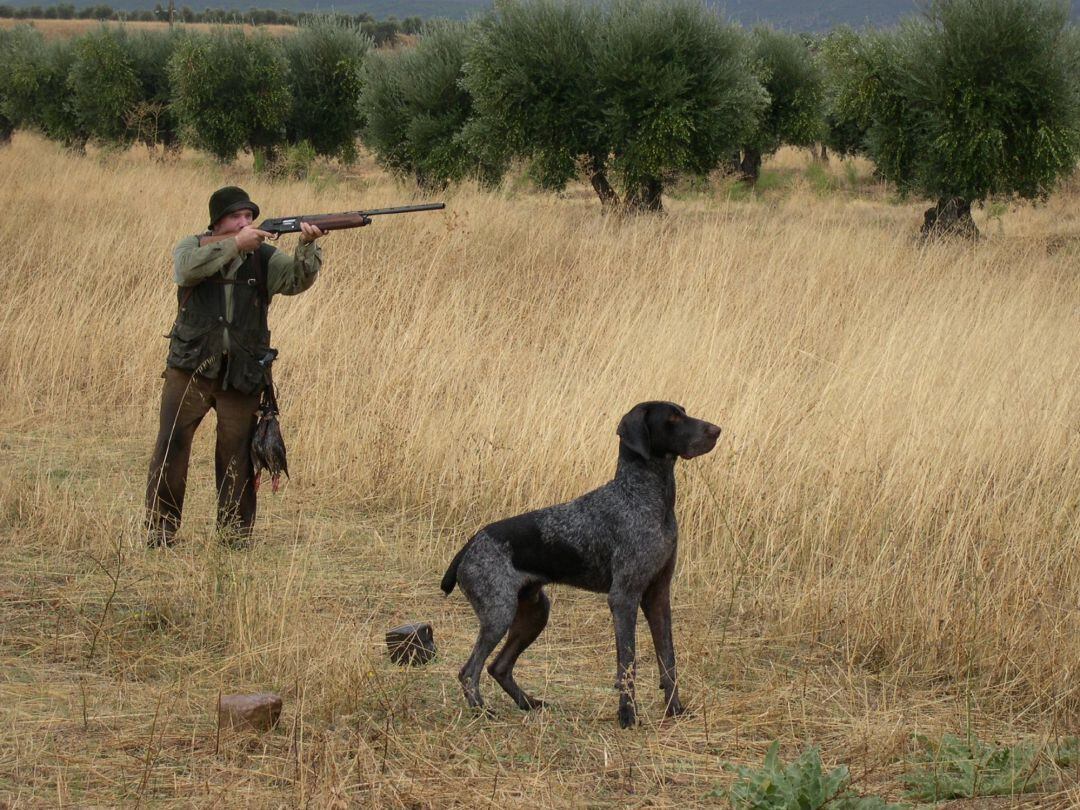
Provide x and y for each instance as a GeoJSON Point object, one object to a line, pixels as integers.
{"type": "Point", "coordinates": [231, 92]}
{"type": "Point", "coordinates": [56, 114]}
{"type": "Point", "coordinates": [532, 75]}
{"type": "Point", "coordinates": [416, 108]}
{"type": "Point", "coordinates": [98, 12]}
{"type": "Point", "coordinates": [326, 60]}
{"type": "Point", "coordinates": [679, 93]}
{"type": "Point", "coordinates": [845, 123]}
{"type": "Point", "coordinates": [153, 120]}
{"type": "Point", "coordinates": [871, 92]}
{"type": "Point", "coordinates": [977, 99]}
{"type": "Point", "coordinates": [8, 122]}
{"type": "Point", "coordinates": [22, 57]}
{"type": "Point", "coordinates": [383, 32]}
{"type": "Point", "coordinates": [72, 90]}
{"type": "Point", "coordinates": [103, 84]}
{"type": "Point", "coordinates": [35, 92]}
{"type": "Point", "coordinates": [795, 82]}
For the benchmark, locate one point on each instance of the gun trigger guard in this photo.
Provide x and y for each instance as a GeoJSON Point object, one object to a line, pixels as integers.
{"type": "Point", "coordinates": [275, 237]}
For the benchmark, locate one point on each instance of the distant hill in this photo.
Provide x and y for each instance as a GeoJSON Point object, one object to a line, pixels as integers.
{"type": "Point", "coordinates": [792, 15]}
{"type": "Point", "coordinates": [800, 15]}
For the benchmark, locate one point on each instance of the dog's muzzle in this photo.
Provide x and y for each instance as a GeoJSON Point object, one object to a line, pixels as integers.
{"type": "Point", "coordinates": [705, 442]}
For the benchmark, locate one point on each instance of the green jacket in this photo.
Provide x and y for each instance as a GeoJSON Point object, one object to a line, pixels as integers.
{"type": "Point", "coordinates": [221, 314]}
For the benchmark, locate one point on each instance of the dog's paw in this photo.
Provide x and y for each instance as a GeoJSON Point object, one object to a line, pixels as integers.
{"type": "Point", "coordinates": [674, 709]}
{"type": "Point", "coordinates": [530, 703]}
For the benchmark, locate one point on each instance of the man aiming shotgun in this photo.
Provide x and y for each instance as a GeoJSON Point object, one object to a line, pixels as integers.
{"type": "Point", "coordinates": [219, 347]}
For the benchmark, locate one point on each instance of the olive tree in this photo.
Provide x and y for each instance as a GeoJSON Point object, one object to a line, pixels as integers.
{"type": "Point", "coordinates": [103, 84]}
{"type": "Point", "coordinates": [21, 57]}
{"type": "Point", "coordinates": [977, 99]}
{"type": "Point", "coordinates": [679, 93]}
{"type": "Point", "coordinates": [152, 120]}
{"type": "Point", "coordinates": [326, 61]}
{"type": "Point", "coordinates": [795, 83]}
{"type": "Point", "coordinates": [36, 92]}
{"type": "Point", "coordinates": [845, 123]}
{"type": "Point", "coordinates": [231, 92]}
{"type": "Point", "coordinates": [531, 71]}
{"type": "Point", "coordinates": [8, 121]}
{"type": "Point", "coordinates": [416, 110]}
{"type": "Point", "coordinates": [55, 110]}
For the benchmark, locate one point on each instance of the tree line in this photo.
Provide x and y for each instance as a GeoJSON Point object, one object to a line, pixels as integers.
{"type": "Point", "coordinates": [971, 100]}
{"type": "Point", "coordinates": [381, 31]}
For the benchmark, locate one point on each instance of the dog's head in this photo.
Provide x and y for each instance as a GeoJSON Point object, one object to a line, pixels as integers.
{"type": "Point", "coordinates": [663, 430]}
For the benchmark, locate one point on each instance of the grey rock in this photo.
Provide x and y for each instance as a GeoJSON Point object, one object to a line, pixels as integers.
{"type": "Point", "coordinates": [259, 712]}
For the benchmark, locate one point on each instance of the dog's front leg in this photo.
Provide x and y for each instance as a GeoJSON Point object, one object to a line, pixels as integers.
{"type": "Point", "coordinates": [624, 609]}
{"type": "Point", "coordinates": [657, 607]}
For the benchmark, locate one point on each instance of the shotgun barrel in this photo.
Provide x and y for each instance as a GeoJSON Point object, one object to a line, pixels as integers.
{"type": "Point", "coordinates": [404, 209]}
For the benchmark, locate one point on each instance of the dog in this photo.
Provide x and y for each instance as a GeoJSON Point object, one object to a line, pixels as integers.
{"type": "Point", "coordinates": [619, 539]}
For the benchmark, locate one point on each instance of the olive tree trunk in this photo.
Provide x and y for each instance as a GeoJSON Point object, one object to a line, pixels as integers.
{"type": "Point", "coordinates": [950, 217]}
{"type": "Point", "coordinates": [600, 184]}
{"type": "Point", "coordinates": [646, 197]}
{"type": "Point", "coordinates": [750, 165]}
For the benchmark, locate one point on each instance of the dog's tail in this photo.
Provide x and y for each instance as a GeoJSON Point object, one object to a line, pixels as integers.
{"type": "Point", "coordinates": [449, 579]}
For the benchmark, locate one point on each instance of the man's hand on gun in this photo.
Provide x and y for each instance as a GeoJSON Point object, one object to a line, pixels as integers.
{"type": "Point", "coordinates": [249, 238]}
{"type": "Point", "coordinates": [310, 232]}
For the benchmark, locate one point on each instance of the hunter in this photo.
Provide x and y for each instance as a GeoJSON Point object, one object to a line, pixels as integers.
{"type": "Point", "coordinates": [224, 288]}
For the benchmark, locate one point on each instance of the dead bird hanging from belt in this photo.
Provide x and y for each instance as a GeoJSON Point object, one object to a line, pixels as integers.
{"type": "Point", "coordinates": [267, 445]}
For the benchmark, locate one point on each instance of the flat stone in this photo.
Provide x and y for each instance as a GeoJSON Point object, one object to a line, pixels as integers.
{"type": "Point", "coordinates": [259, 712]}
{"type": "Point", "coordinates": [411, 644]}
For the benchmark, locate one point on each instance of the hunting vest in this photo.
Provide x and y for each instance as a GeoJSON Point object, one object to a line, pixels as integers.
{"type": "Point", "coordinates": [197, 336]}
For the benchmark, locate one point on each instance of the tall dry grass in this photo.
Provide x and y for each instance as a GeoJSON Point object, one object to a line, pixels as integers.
{"type": "Point", "coordinates": [885, 540]}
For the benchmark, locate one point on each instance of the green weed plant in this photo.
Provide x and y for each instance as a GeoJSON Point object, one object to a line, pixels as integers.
{"type": "Point", "coordinates": [821, 181]}
{"type": "Point", "coordinates": [799, 785]}
{"type": "Point", "coordinates": [958, 768]}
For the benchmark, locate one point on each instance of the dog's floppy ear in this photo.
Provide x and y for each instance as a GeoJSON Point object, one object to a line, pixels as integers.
{"type": "Point", "coordinates": [634, 431]}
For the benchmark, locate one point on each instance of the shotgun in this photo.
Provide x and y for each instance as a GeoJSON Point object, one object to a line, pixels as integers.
{"type": "Point", "coordinates": [328, 222]}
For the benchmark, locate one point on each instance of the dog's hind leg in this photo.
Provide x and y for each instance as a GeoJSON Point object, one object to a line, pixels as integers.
{"type": "Point", "coordinates": [495, 610]}
{"type": "Point", "coordinates": [533, 608]}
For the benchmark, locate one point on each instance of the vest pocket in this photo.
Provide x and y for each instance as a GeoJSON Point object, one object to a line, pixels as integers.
{"type": "Point", "coordinates": [250, 346]}
{"type": "Point", "coordinates": [252, 378]}
{"type": "Point", "coordinates": [188, 345]}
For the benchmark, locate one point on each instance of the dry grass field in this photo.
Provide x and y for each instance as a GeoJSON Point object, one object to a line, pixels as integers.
{"type": "Point", "coordinates": [885, 543]}
{"type": "Point", "coordinates": [64, 29]}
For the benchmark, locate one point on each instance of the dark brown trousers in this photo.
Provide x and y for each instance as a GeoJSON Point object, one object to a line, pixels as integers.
{"type": "Point", "coordinates": [185, 400]}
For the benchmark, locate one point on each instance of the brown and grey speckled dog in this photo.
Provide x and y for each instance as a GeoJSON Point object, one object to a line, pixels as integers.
{"type": "Point", "coordinates": [619, 539]}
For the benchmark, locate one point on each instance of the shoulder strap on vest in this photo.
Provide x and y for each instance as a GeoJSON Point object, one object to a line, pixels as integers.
{"type": "Point", "coordinates": [261, 261]}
